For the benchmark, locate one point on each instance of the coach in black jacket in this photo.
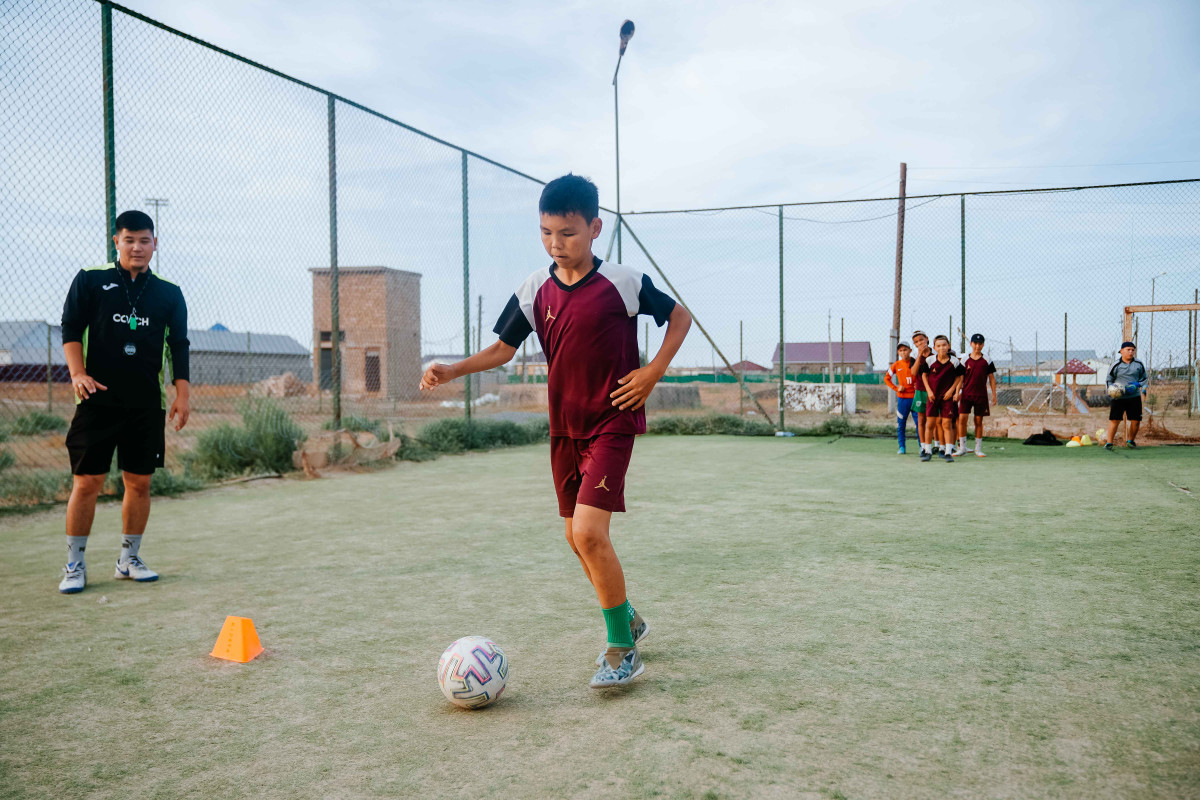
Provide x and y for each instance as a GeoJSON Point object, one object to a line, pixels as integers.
{"type": "Point", "coordinates": [121, 325]}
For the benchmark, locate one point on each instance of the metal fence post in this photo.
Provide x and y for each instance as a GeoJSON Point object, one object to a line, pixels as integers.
{"type": "Point", "coordinates": [962, 317]}
{"type": "Point", "coordinates": [466, 286]}
{"type": "Point", "coordinates": [1064, 366]}
{"type": "Point", "coordinates": [334, 300]}
{"type": "Point", "coordinates": [782, 347]}
{"type": "Point", "coordinates": [49, 369]}
{"type": "Point", "coordinates": [110, 145]}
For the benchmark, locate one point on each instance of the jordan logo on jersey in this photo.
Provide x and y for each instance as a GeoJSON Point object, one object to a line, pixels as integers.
{"type": "Point", "coordinates": [601, 484]}
{"type": "Point", "coordinates": [549, 316]}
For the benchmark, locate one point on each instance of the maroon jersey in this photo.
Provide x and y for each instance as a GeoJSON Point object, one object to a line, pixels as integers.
{"type": "Point", "coordinates": [588, 331]}
{"type": "Point", "coordinates": [975, 380]}
{"type": "Point", "coordinates": [919, 367]}
{"type": "Point", "coordinates": [941, 376]}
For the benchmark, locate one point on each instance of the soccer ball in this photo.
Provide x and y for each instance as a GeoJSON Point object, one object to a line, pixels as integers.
{"type": "Point", "coordinates": [472, 672]}
{"type": "Point", "coordinates": [1116, 390]}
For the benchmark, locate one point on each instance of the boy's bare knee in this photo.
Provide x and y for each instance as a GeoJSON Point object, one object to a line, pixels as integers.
{"type": "Point", "coordinates": [589, 540]}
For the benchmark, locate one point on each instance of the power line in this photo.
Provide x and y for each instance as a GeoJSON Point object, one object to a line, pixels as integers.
{"type": "Point", "coordinates": [1072, 166]}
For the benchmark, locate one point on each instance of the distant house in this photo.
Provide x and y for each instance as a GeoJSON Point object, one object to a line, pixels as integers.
{"type": "Point", "coordinates": [26, 347]}
{"type": "Point", "coordinates": [1040, 362]}
{"type": "Point", "coordinates": [217, 356]}
{"type": "Point", "coordinates": [748, 368]}
{"type": "Point", "coordinates": [220, 357]}
{"type": "Point", "coordinates": [532, 365]}
{"type": "Point", "coordinates": [814, 358]}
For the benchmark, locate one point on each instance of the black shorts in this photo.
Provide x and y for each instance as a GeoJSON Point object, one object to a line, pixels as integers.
{"type": "Point", "coordinates": [137, 434]}
{"type": "Point", "coordinates": [1130, 407]}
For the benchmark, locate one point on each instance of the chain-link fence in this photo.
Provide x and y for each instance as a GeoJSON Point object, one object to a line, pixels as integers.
{"type": "Point", "coordinates": [327, 252]}
{"type": "Point", "coordinates": [1042, 274]}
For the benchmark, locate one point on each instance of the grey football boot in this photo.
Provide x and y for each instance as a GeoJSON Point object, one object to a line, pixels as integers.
{"type": "Point", "coordinates": [628, 668]}
{"type": "Point", "coordinates": [640, 630]}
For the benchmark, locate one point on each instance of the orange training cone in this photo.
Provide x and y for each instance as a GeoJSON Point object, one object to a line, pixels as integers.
{"type": "Point", "coordinates": [238, 641]}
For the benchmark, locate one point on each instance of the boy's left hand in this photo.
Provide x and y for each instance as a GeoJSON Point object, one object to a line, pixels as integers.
{"type": "Point", "coordinates": [634, 389]}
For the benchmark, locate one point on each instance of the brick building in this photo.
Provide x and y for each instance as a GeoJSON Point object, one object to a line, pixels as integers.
{"type": "Point", "coordinates": [380, 340]}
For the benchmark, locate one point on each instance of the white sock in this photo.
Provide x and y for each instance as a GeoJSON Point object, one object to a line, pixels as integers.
{"type": "Point", "coordinates": [926, 448]}
{"type": "Point", "coordinates": [978, 445]}
{"type": "Point", "coordinates": [75, 547]}
{"type": "Point", "coordinates": [962, 443]}
{"type": "Point", "coordinates": [129, 547]}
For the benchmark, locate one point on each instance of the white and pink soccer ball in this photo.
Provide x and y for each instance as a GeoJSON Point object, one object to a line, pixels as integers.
{"type": "Point", "coordinates": [472, 672]}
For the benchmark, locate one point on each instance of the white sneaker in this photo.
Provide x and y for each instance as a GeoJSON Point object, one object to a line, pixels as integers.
{"type": "Point", "coordinates": [959, 451]}
{"type": "Point", "coordinates": [74, 578]}
{"type": "Point", "coordinates": [134, 569]}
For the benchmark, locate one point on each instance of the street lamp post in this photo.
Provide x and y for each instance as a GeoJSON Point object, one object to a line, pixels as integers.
{"type": "Point", "coordinates": [157, 202]}
{"type": "Point", "coordinates": [626, 34]}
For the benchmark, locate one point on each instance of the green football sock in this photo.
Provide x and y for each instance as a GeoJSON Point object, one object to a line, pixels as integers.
{"type": "Point", "coordinates": [617, 619]}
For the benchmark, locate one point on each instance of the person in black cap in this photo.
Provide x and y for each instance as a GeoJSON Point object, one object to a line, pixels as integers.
{"type": "Point", "coordinates": [121, 325]}
{"type": "Point", "coordinates": [1126, 381]}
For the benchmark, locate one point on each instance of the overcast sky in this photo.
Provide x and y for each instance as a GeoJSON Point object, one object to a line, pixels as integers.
{"type": "Point", "coordinates": [721, 104]}
{"type": "Point", "coordinates": [757, 101]}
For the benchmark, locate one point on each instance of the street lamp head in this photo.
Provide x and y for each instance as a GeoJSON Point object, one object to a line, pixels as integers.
{"type": "Point", "coordinates": [626, 34]}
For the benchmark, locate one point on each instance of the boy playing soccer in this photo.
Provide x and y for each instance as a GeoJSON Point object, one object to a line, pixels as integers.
{"type": "Point", "coordinates": [900, 380]}
{"type": "Point", "coordinates": [942, 377]}
{"type": "Point", "coordinates": [978, 375]}
{"type": "Point", "coordinates": [584, 311]}
{"type": "Point", "coordinates": [926, 428]}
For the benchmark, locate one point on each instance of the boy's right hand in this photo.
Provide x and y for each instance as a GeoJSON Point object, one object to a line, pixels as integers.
{"type": "Point", "coordinates": [435, 376]}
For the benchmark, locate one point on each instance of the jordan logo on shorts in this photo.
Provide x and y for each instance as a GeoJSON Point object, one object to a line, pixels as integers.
{"type": "Point", "coordinates": [601, 485]}
{"type": "Point", "coordinates": [549, 316]}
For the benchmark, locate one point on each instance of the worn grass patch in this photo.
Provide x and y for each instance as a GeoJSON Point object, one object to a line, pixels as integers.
{"type": "Point", "coordinates": [830, 620]}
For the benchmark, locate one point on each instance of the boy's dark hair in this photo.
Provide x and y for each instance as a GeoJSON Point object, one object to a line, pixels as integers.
{"type": "Point", "coordinates": [570, 194]}
{"type": "Point", "coordinates": [134, 221]}
{"type": "Point", "coordinates": [941, 338]}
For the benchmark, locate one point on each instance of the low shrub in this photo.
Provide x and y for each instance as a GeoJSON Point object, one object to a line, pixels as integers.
{"type": "Point", "coordinates": [457, 435]}
{"type": "Point", "coordinates": [32, 487]}
{"type": "Point", "coordinates": [265, 443]}
{"type": "Point", "coordinates": [731, 425]}
{"type": "Point", "coordinates": [221, 452]}
{"type": "Point", "coordinates": [708, 425]}
{"type": "Point", "coordinates": [163, 483]}
{"type": "Point", "coordinates": [359, 424]}
{"type": "Point", "coordinates": [413, 450]}
{"type": "Point", "coordinates": [36, 422]}
{"type": "Point", "coordinates": [7, 459]}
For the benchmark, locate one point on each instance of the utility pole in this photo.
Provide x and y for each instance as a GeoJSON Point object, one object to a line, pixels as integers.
{"type": "Point", "coordinates": [829, 341]}
{"type": "Point", "coordinates": [894, 337]}
{"type": "Point", "coordinates": [842, 366]}
{"type": "Point", "coordinates": [157, 203]}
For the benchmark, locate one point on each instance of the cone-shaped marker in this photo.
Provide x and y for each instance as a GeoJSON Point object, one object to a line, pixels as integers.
{"type": "Point", "coordinates": [238, 641]}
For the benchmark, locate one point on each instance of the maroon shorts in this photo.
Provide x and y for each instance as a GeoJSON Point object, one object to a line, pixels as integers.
{"type": "Point", "coordinates": [590, 471]}
{"type": "Point", "coordinates": [974, 405]}
{"type": "Point", "coordinates": [940, 407]}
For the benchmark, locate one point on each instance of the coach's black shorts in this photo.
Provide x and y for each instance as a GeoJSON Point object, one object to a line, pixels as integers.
{"type": "Point", "coordinates": [137, 434]}
{"type": "Point", "coordinates": [1130, 407]}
